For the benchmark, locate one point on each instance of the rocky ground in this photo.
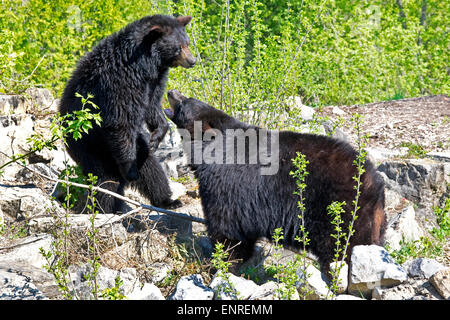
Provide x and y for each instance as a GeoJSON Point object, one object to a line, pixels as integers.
{"type": "Point", "coordinates": [161, 257]}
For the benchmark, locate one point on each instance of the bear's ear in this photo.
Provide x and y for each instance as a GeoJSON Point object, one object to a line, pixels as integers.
{"type": "Point", "coordinates": [184, 20]}
{"type": "Point", "coordinates": [205, 126]}
{"type": "Point", "coordinates": [156, 30]}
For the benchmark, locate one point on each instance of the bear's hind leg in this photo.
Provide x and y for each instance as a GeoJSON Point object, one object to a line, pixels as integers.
{"type": "Point", "coordinates": [154, 185]}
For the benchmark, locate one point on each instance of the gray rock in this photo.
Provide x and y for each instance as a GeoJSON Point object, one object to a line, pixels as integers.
{"type": "Point", "coordinates": [422, 181]}
{"type": "Point", "coordinates": [148, 292]}
{"type": "Point", "coordinates": [423, 268]}
{"type": "Point", "coordinates": [241, 288]}
{"type": "Point", "coordinates": [441, 281]}
{"type": "Point", "coordinates": [192, 288]}
{"type": "Point", "coordinates": [417, 289]}
{"type": "Point", "coordinates": [372, 266]}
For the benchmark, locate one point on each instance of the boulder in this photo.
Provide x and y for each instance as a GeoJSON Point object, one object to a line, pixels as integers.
{"type": "Point", "coordinates": [315, 283]}
{"type": "Point", "coordinates": [412, 289]}
{"type": "Point", "coordinates": [422, 268]}
{"type": "Point", "coordinates": [372, 266]}
{"type": "Point", "coordinates": [423, 182]}
{"type": "Point", "coordinates": [403, 227]}
{"type": "Point", "coordinates": [241, 288]}
{"type": "Point", "coordinates": [14, 286]}
{"type": "Point", "coordinates": [148, 292]}
{"type": "Point", "coordinates": [270, 291]}
{"type": "Point", "coordinates": [27, 250]}
{"type": "Point", "coordinates": [441, 281]}
{"type": "Point", "coordinates": [192, 288]}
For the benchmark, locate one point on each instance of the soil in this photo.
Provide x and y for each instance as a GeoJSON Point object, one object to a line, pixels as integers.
{"type": "Point", "coordinates": [423, 122]}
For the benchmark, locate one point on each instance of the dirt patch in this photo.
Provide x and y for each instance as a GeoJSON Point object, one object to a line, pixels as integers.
{"type": "Point", "coordinates": [424, 122]}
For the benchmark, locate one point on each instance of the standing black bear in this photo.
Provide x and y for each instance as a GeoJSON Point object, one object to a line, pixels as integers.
{"type": "Point", "coordinates": [241, 204]}
{"type": "Point", "coordinates": [127, 73]}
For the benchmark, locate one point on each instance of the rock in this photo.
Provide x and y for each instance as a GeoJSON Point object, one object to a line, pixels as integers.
{"type": "Point", "coordinates": [379, 154]}
{"type": "Point", "coordinates": [421, 181]}
{"type": "Point", "coordinates": [10, 104]}
{"type": "Point", "coordinates": [25, 202]}
{"type": "Point", "coordinates": [17, 287]}
{"type": "Point", "coordinates": [38, 277]}
{"type": "Point", "coordinates": [347, 297]}
{"type": "Point", "coordinates": [403, 227]}
{"type": "Point", "coordinates": [41, 100]}
{"type": "Point", "coordinates": [242, 288]}
{"type": "Point", "coordinates": [27, 250]}
{"type": "Point", "coordinates": [178, 189]}
{"type": "Point", "coordinates": [439, 156]}
{"type": "Point", "coordinates": [372, 266]}
{"type": "Point", "coordinates": [148, 292]}
{"type": "Point", "coordinates": [158, 271]}
{"type": "Point", "coordinates": [192, 288]}
{"type": "Point", "coordinates": [106, 279]}
{"type": "Point", "coordinates": [441, 281]}
{"type": "Point", "coordinates": [270, 291]}
{"type": "Point", "coordinates": [423, 268]}
{"type": "Point", "coordinates": [343, 276]}
{"type": "Point", "coordinates": [305, 112]}
{"type": "Point", "coordinates": [316, 283]}
{"type": "Point", "coordinates": [410, 290]}
{"type": "Point", "coordinates": [338, 111]}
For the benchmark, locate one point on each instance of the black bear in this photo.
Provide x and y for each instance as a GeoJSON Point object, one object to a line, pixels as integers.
{"type": "Point", "coordinates": [241, 204]}
{"type": "Point", "coordinates": [126, 73]}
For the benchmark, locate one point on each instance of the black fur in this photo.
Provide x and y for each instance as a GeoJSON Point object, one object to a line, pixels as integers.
{"type": "Point", "coordinates": [242, 205]}
{"type": "Point", "coordinates": [127, 73]}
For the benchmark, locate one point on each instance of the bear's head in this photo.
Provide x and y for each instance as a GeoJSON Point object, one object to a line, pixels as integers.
{"type": "Point", "coordinates": [166, 36]}
{"type": "Point", "coordinates": [184, 112]}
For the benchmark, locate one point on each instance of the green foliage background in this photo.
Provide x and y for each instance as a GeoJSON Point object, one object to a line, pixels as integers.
{"type": "Point", "coordinates": [251, 53]}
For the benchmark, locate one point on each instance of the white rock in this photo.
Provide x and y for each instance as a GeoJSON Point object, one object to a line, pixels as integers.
{"type": "Point", "coordinates": [306, 113]}
{"type": "Point", "coordinates": [178, 189]}
{"type": "Point", "coordinates": [347, 297]}
{"type": "Point", "coordinates": [372, 266]}
{"type": "Point", "coordinates": [148, 292]}
{"type": "Point", "coordinates": [270, 291]}
{"type": "Point", "coordinates": [192, 288]}
{"type": "Point", "coordinates": [17, 287]}
{"type": "Point", "coordinates": [343, 276]}
{"type": "Point", "coordinates": [243, 288]}
{"type": "Point", "coordinates": [27, 250]}
{"type": "Point", "coordinates": [315, 282]}
{"type": "Point", "coordinates": [406, 228]}
{"type": "Point", "coordinates": [338, 111]}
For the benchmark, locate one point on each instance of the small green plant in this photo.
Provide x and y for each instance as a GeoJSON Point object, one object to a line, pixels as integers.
{"type": "Point", "coordinates": [114, 292]}
{"type": "Point", "coordinates": [286, 274]}
{"type": "Point", "coordinates": [219, 261]}
{"type": "Point", "coordinates": [443, 221]}
{"type": "Point", "coordinates": [414, 150]}
{"type": "Point", "coordinates": [92, 238]}
{"type": "Point", "coordinates": [335, 210]}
